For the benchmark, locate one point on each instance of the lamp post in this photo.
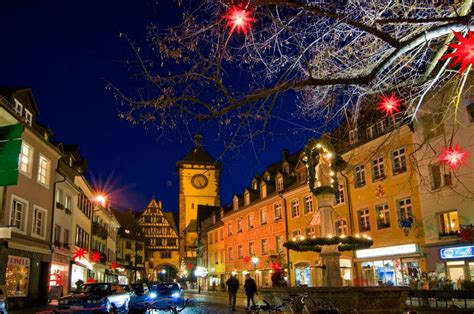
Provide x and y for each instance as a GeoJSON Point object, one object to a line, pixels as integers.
{"type": "Point", "coordinates": [255, 262]}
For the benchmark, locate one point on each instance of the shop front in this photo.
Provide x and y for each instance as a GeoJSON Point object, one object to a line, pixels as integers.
{"type": "Point", "coordinates": [398, 265]}
{"type": "Point", "coordinates": [457, 262]}
{"type": "Point", "coordinates": [302, 273]}
{"type": "Point", "coordinates": [59, 276]}
{"type": "Point", "coordinates": [80, 271]}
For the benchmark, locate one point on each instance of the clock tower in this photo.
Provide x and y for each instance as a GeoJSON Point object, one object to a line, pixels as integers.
{"type": "Point", "coordinates": [198, 185]}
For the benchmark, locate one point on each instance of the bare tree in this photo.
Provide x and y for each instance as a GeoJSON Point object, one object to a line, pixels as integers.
{"type": "Point", "coordinates": [332, 55]}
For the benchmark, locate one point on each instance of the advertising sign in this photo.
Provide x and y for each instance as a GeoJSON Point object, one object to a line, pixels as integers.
{"type": "Point", "coordinates": [457, 252]}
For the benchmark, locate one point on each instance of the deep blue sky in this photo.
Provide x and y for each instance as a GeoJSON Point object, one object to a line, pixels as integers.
{"type": "Point", "coordinates": [65, 51]}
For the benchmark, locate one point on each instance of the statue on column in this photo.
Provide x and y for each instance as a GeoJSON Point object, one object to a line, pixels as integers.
{"type": "Point", "coordinates": [323, 171]}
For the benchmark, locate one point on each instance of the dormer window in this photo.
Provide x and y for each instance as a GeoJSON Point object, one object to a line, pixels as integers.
{"type": "Point", "coordinates": [353, 136]}
{"type": "Point", "coordinates": [286, 168]}
{"type": "Point", "coordinates": [28, 117]}
{"type": "Point", "coordinates": [236, 203]}
{"type": "Point", "coordinates": [279, 183]}
{"type": "Point", "coordinates": [370, 132]}
{"type": "Point", "coordinates": [254, 184]}
{"type": "Point", "coordinates": [267, 176]}
{"type": "Point", "coordinates": [263, 190]}
{"type": "Point", "coordinates": [222, 213]}
{"type": "Point", "coordinates": [18, 108]}
{"type": "Point", "coordinates": [247, 198]}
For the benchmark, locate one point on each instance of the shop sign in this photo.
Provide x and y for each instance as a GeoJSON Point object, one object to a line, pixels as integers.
{"type": "Point", "coordinates": [457, 252]}
{"type": "Point", "coordinates": [388, 251]}
{"type": "Point", "coordinates": [18, 261]}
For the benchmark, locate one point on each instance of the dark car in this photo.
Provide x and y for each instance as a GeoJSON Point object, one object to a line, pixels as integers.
{"type": "Point", "coordinates": [96, 298]}
{"type": "Point", "coordinates": [166, 294]}
{"type": "Point", "coordinates": [141, 299]}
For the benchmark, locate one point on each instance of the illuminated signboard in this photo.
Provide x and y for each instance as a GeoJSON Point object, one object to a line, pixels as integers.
{"type": "Point", "coordinates": [457, 252]}
{"type": "Point", "coordinates": [388, 251]}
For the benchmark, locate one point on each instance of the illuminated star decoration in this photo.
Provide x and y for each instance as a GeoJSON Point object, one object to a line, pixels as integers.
{"type": "Point", "coordinates": [453, 157]}
{"type": "Point", "coordinates": [239, 18]}
{"type": "Point", "coordinates": [80, 252]}
{"type": "Point", "coordinates": [246, 259]}
{"type": "Point", "coordinates": [114, 265]}
{"type": "Point", "coordinates": [389, 104]}
{"type": "Point", "coordinates": [464, 51]}
{"type": "Point", "coordinates": [95, 257]}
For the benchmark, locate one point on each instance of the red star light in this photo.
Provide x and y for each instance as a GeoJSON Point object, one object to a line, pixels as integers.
{"type": "Point", "coordinates": [80, 252]}
{"type": "Point", "coordinates": [246, 259]}
{"type": "Point", "coordinates": [453, 157]}
{"type": "Point", "coordinates": [95, 257]}
{"type": "Point", "coordinates": [114, 265]}
{"type": "Point", "coordinates": [389, 104]}
{"type": "Point", "coordinates": [464, 51]}
{"type": "Point", "coordinates": [239, 18]}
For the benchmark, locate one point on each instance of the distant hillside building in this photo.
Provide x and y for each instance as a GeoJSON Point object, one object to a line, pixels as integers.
{"type": "Point", "coordinates": [161, 240]}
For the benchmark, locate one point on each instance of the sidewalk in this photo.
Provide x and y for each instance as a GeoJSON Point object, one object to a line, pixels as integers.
{"type": "Point", "coordinates": [240, 293]}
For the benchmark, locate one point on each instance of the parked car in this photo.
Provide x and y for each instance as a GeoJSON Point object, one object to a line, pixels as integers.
{"type": "Point", "coordinates": [96, 298]}
{"type": "Point", "coordinates": [142, 298]}
{"type": "Point", "coordinates": [3, 301]}
{"type": "Point", "coordinates": [166, 294]}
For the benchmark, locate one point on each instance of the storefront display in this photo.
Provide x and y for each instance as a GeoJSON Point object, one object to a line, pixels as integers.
{"type": "Point", "coordinates": [78, 273]}
{"type": "Point", "coordinates": [346, 271]}
{"type": "Point", "coordinates": [457, 263]}
{"type": "Point", "coordinates": [303, 275]}
{"type": "Point", "coordinates": [17, 276]}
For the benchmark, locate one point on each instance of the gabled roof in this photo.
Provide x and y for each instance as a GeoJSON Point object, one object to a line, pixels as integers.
{"type": "Point", "coordinates": [127, 222]}
{"type": "Point", "coordinates": [198, 154]}
{"type": "Point", "coordinates": [23, 94]}
{"type": "Point", "coordinates": [172, 218]}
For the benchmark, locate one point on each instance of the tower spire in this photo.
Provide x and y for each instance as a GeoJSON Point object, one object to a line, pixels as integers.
{"type": "Point", "coordinates": [198, 141]}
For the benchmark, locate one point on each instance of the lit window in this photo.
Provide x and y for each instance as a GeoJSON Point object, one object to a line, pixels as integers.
{"type": "Point", "coordinates": [239, 225]}
{"type": "Point", "coordinates": [341, 227]}
{"type": "Point", "coordinates": [28, 117]}
{"type": "Point", "coordinates": [308, 204]}
{"type": "Point", "coordinates": [383, 216]}
{"type": "Point", "coordinates": [296, 233]}
{"type": "Point", "coordinates": [295, 208]}
{"type": "Point", "coordinates": [340, 196]}
{"type": "Point", "coordinates": [44, 167]}
{"type": "Point", "coordinates": [250, 220]}
{"type": "Point", "coordinates": [364, 220]}
{"type": "Point", "coordinates": [449, 222]}
{"type": "Point", "coordinates": [264, 247]}
{"type": "Point", "coordinates": [263, 192]}
{"type": "Point", "coordinates": [39, 222]}
{"type": "Point", "coordinates": [310, 232]}
{"type": "Point", "coordinates": [26, 159]}
{"type": "Point", "coordinates": [405, 209]}
{"type": "Point", "coordinates": [251, 249]}
{"type": "Point", "coordinates": [279, 184]}
{"type": "Point", "coordinates": [236, 203]}
{"type": "Point", "coordinates": [247, 198]}
{"type": "Point", "coordinates": [263, 216]}
{"type": "Point", "coordinates": [359, 176]}
{"type": "Point", "coordinates": [18, 214]}
{"type": "Point", "coordinates": [277, 210]}
{"type": "Point", "coordinates": [279, 243]}
{"type": "Point", "coordinates": [353, 136]}
{"type": "Point", "coordinates": [67, 202]}
{"type": "Point", "coordinates": [378, 171]}
{"type": "Point", "coordinates": [399, 161]}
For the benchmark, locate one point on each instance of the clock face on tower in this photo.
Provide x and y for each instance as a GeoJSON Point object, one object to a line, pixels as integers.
{"type": "Point", "coordinates": [199, 181]}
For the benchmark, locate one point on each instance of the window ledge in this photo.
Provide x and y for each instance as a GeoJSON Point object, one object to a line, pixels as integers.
{"type": "Point", "coordinates": [379, 178]}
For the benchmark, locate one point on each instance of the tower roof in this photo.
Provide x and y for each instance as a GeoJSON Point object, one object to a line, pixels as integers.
{"type": "Point", "coordinates": [198, 154]}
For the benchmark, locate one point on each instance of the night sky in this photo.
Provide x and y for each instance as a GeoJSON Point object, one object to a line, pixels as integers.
{"type": "Point", "coordinates": [66, 51]}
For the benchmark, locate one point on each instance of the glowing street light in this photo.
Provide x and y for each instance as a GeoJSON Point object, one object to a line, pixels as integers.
{"type": "Point", "coordinates": [255, 261]}
{"type": "Point", "coordinates": [101, 199]}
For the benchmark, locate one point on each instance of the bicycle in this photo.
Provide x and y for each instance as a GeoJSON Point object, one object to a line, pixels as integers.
{"type": "Point", "coordinates": [172, 307]}
{"type": "Point", "coordinates": [267, 307]}
{"type": "Point", "coordinates": [321, 306]}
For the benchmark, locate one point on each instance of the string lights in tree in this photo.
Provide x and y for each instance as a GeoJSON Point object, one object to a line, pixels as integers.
{"type": "Point", "coordinates": [239, 18]}
{"type": "Point", "coordinates": [79, 253]}
{"type": "Point", "coordinates": [389, 104]}
{"type": "Point", "coordinates": [453, 157]}
{"type": "Point", "coordinates": [463, 51]}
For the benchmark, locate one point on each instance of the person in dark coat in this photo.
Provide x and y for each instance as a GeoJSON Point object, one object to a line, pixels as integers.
{"type": "Point", "coordinates": [232, 287]}
{"type": "Point", "coordinates": [250, 289]}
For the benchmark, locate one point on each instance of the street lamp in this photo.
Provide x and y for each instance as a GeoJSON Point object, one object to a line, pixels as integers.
{"type": "Point", "coordinates": [255, 262]}
{"type": "Point", "coordinates": [101, 199]}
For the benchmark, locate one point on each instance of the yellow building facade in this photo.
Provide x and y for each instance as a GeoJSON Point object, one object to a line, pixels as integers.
{"type": "Point", "coordinates": [216, 257]}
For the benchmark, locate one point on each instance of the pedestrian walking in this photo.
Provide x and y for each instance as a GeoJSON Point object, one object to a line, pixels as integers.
{"type": "Point", "coordinates": [250, 289]}
{"type": "Point", "coordinates": [232, 287]}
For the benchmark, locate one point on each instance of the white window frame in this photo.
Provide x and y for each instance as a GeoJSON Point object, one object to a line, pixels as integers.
{"type": "Point", "coordinates": [46, 176]}
{"type": "Point", "coordinates": [28, 117]}
{"type": "Point", "coordinates": [311, 233]}
{"type": "Point", "coordinates": [18, 107]}
{"type": "Point", "coordinates": [359, 173]}
{"type": "Point", "coordinates": [68, 202]}
{"type": "Point", "coordinates": [250, 221]}
{"type": "Point", "coordinates": [341, 196]}
{"type": "Point", "coordinates": [24, 214]}
{"type": "Point", "coordinates": [378, 168]}
{"type": "Point", "coordinates": [383, 214]}
{"type": "Point", "coordinates": [44, 222]}
{"type": "Point", "coordinates": [295, 208]}
{"type": "Point", "coordinates": [264, 243]}
{"type": "Point", "coordinates": [251, 248]}
{"type": "Point", "coordinates": [279, 184]}
{"type": "Point", "coordinates": [370, 132]}
{"type": "Point", "coordinates": [239, 225]}
{"type": "Point", "coordinates": [263, 216]}
{"type": "Point", "coordinates": [381, 126]}
{"type": "Point", "coordinates": [405, 210]}
{"type": "Point", "coordinates": [365, 218]}
{"type": "Point", "coordinates": [399, 158]}
{"type": "Point", "coordinates": [277, 210]}
{"type": "Point", "coordinates": [308, 203]}
{"type": "Point", "coordinates": [29, 162]}
{"type": "Point", "coordinates": [279, 243]}
{"type": "Point", "coordinates": [341, 228]}
{"type": "Point", "coordinates": [296, 233]}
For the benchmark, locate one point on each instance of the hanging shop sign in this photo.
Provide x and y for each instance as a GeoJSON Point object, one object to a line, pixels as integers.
{"type": "Point", "coordinates": [457, 252]}
{"type": "Point", "coordinates": [388, 251]}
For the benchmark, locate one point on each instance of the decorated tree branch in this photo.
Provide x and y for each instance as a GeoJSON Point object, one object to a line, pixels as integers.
{"type": "Point", "coordinates": [349, 243]}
